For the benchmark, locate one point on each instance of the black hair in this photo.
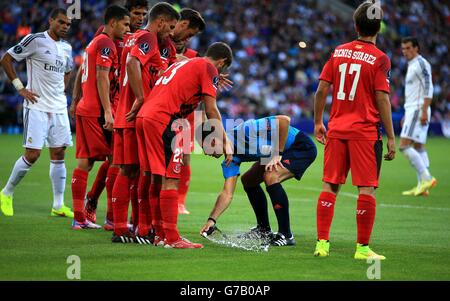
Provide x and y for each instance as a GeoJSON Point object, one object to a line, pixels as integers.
{"type": "Point", "coordinates": [367, 18]}
{"type": "Point", "coordinates": [220, 50]}
{"type": "Point", "coordinates": [57, 11]}
{"type": "Point", "coordinates": [194, 17]}
{"type": "Point", "coordinates": [130, 4]}
{"type": "Point", "coordinates": [115, 12]}
{"type": "Point", "coordinates": [163, 9]}
{"type": "Point", "coordinates": [414, 41]}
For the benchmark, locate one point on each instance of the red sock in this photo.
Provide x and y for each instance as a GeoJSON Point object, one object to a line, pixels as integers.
{"type": "Point", "coordinates": [134, 184]}
{"type": "Point", "coordinates": [121, 196]}
{"type": "Point", "coordinates": [155, 210]}
{"type": "Point", "coordinates": [99, 183]}
{"type": "Point", "coordinates": [169, 213]}
{"type": "Point", "coordinates": [325, 212]}
{"type": "Point", "coordinates": [79, 183]}
{"type": "Point", "coordinates": [144, 205]}
{"type": "Point", "coordinates": [110, 180]}
{"type": "Point", "coordinates": [183, 187]}
{"type": "Point", "coordinates": [365, 216]}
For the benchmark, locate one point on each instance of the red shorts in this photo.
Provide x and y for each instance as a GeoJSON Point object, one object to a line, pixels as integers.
{"type": "Point", "coordinates": [155, 148]}
{"type": "Point", "coordinates": [362, 157]}
{"type": "Point", "coordinates": [92, 140]}
{"type": "Point", "coordinates": [125, 147]}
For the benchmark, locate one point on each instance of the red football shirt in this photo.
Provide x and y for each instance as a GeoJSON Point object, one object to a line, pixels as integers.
{"type": "Point", "coordinates": [356, 70]}
{"type": "Point", "coordinates": [114, 84]}
{"type": "Point", "coordinates": [190, 53]}
{"type": "Point", "coordinates": [168, 52]}
{"type": "Point", "coordinates": [143, 45]}
{"type": "Point", "coordinates": [100, 52]}
{"type": "Point", "coordinates": [179, 90]}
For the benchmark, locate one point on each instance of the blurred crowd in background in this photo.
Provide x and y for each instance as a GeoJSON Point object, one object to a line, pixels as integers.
{"type": "Point", "coordinates": [271, 73]}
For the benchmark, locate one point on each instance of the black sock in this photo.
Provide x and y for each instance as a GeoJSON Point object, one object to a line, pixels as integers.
{"type": "Point", "coordinates": [258, 200]}
{"type": "Point", "coordinates": [280, 205]}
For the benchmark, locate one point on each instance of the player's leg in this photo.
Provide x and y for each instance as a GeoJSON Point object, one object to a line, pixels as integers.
{"type": "Point", "coordinates": [34, 133]}
{"type": "Point", "coordinates": [251, 181]}
{"type": "Point", "coordinates": [58, 175]}
{"type": "Point", "coordinates": [20, 169]}
{"type": "Point", "coordinates": [155, 209]}
{"type": "Point", "coordinates": [111, 177]}
{"type": "Point", "coordinates": [280, 204]}
{"type": "Point", "coordinates": [365, 164]}
{"type": "Point", "coordinates": [91, 145]}
{"type": "Point", "coordinates": [335, 170]}
{"type": "Point", "coordinates": [169, 214]}
{"type": "Point", "coordinates": [144, 233]}
{"type": "Point", "coordinates": [184, 184]}
{"type": "Point", "coordinates": [96, 190]}
{"type": "Point", "coordinates": [413, 131]}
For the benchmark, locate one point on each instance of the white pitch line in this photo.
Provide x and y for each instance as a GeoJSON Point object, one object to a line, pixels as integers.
{"type": "Point", "coordinates": [414, 207]}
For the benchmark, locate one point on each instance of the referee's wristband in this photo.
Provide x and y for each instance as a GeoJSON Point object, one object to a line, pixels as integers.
{"type": "Point", "coordinates": [213, 220]}
{"type": "Point", "coordinates": [17, 84]}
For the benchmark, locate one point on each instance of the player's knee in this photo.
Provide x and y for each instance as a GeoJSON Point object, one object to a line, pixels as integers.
{"type": "Point", "coordinates": [32, 155]}
{"type": "Point", "coordinates": [57, 153]}
{"type": "Point", "coordinates": [271, 177]}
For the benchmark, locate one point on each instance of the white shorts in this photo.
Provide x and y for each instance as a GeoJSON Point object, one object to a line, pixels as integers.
{"type": "Point", "coordinates": [412, 129]}
{"type": "Point", "coordinates": [49, 129]}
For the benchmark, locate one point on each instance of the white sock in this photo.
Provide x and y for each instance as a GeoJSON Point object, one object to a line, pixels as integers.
{"type": "Point", "coordinates": [19, 171]}
{"type": "Point", "coordinates": [58, 177]}
{"type": "Point", "coordinates": [423, 153]}
{"type": "Point", "coordinates": [417, 162]}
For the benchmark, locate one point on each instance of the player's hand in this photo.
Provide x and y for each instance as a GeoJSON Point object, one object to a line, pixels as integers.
{"type": "Point", "coordinates": [275, 163]}
{"type": "Point", "coordinates": [109, 121]}
{"type": "Point", "coordinates": [208, 228]}
{"type": "Point", "coordinates": [424, 118]}
{"type": "Point", "coordinates": [391, 150]}
{"type": "Point", "coordinates": [130, 116]}
{"type": "Point", "coordinates": [225, 84]}
{"type": "Point", "coordinates": [320, 132]}
{"type": "Point", "coordinates": [29, 96]}
{"type": "Point", "coordinates": [228, 159]}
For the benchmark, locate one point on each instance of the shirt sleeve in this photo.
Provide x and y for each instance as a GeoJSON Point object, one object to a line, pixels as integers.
{"type": "Point", "coordinates": [209, 80]}
{"type": "Point", "coordinates": [327, 71]}
{"type": "Point", "coordinates": [383, 74]}
{"type": "Point", "coordinates": [424, 73]}
{"type": "Point", "coordinates": [145, 48]}
{"type": "Point", "coordinates": [106, 53]}
{"type": "Point", "coordinates": [25, 49]}
{"type": "Point", "coordinates": [69, 60]}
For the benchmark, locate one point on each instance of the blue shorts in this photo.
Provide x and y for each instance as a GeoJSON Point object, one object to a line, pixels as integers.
{"type": "Point", "coordinates": [300, 155]}
{"type": "Point", "coordinates": [297, 158]}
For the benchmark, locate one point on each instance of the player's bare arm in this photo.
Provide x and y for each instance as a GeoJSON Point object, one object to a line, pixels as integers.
{"type": "Point", "coordinates": [135, 79]}
{"type": "Point", "coordinates": [7, 64]}
{"type": "Point", "coordinates": [212, 112]}
{"type": "Point", "coordinates": [424, 116]}
{"type": "Point", "coordinates": [283, 130]}
{"type": "Point", "coordinates": [103, 84]}
{"type": "Point", "coordinates": [319, 106]}
{"type": "Point", "coordinates": [77, 93]}
{"type": "Point", "coordinates": [384, 107]}
{"type": "Point", "coordinates": [222, 203]}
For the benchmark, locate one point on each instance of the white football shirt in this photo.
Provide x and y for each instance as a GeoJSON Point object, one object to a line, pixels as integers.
{"type": "Point", "coordinates": [47, 63]}
{"type": "Point", "coordinates": [418, 83]}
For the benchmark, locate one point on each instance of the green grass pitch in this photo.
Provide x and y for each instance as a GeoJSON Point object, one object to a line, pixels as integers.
{"type": "Point", "coordinates": [412, 232]}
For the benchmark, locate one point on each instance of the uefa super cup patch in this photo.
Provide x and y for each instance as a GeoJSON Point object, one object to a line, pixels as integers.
{"type": "Point", "coordinates": [144, 47]}
{"type": "Point", "coordinates": [18, 49]}
{"type": "Point", "coordinates": [165, 53]}
{"type": "Point", "coordinates": [106, 51]}
{"type": "Point", "coordinates": [216, 81]}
